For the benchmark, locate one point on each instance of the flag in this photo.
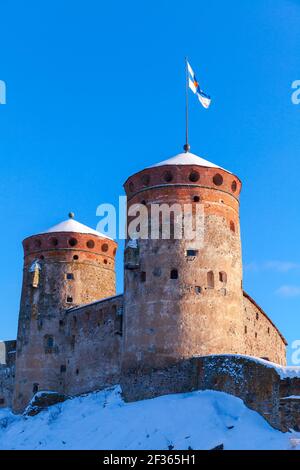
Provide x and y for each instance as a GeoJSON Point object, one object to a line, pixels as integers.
{"type": "Point", "coordinates": [204, 99]}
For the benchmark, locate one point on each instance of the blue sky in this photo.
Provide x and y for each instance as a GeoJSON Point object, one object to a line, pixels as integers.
{"type": "Point", "coordinates": [95, 92]}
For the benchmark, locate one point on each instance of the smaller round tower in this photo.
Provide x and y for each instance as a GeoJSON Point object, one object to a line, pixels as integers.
{"type": "Point", "coordinates": [68, 265]}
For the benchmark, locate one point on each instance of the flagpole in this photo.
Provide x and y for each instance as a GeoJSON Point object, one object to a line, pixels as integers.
{"type": "Point", "coordinates": [186, 147]}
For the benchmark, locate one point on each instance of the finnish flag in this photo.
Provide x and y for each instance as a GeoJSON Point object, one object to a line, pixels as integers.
{"type": "Point", "coordinates": [204, 99]}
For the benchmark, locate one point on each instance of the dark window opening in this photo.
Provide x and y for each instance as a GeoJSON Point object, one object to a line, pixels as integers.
{"type": "Point", "coordinates": [2, 401]}
{"type": "Point", "coordinates": [257, 316]}
{"type": "Point", "coordinates": [245, 330]}
{"type": "Point", "coordinates": [196, 198]}
{"type": "Point", "coordinates": [232, 226]}
{"type": "Point", "coordinates": [174, 274]}
{"type": "Point", "coordinates": [90, 244]}
{"type": "Point", "coordinates": [218, 179]}
{"type": "Point", "coordinates": [70, 276]}
{"type": "Point", "coordinates": [77, 371]}
{"type": "Point", "coordinates": [194, 176]}
{"type": "Point", "coordinates": [143, 276]}
{"type": "Point", "coordinates": [198, 289]}
{"type": "Point", "coordinates": [72, 242]}
{"type": "Point", "coordinates": [168, 176]}
{"type": "Point", "coordinates": [222, 277]}
{"type": "Point", "coordinates": [63, 368]}
{"type": "Point", "coordinates": [268, 330]}
{"type": "Point", "coordinates": [69, 300]}
{"type": "Point", "coordinates": [35, 388]}
{"type": "Point", "coordinates": [191, 252]}
{"type": "Point", "coordinates": [61, 323]}
{"type": "Point", "coordinates": [104, 247]}
{"type": "Point", "coordinates": [49, 341]}
{"type": "Point", "coordinates": [255, 335]}
{"type": "Point", "coordinates": [75, 257]}
{"type": "Point", "coordinates": [210, 280]}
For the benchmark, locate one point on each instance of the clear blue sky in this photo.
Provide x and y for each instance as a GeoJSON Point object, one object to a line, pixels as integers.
{"type": "Point", "coordinates": [95, 92]}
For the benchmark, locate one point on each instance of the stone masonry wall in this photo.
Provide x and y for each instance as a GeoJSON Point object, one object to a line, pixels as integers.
{"type": "Point", "coordinates": [260, 384]}
{"type": "Point", "coordinates": [261, 337]}
{"type": "Point", "coordinates": [7, 372]}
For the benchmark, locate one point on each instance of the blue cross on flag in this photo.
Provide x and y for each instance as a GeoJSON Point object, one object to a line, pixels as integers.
{"type": "Point", "coordinates": [204, 99]}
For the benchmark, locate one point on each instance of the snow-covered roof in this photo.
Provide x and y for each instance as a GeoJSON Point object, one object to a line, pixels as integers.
{"type": "Point", "coordinates": [71, 225]}
{"type": "Point", "coordinates": [188, 159]}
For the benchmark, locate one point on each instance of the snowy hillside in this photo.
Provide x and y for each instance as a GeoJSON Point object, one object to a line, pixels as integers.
{"type": "Point", "coordinates": [198, 420]}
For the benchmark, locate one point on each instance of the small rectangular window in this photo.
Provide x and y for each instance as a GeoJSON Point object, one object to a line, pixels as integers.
{"type": "Point", "coordinates": [2, 401]}
{"type": "Point", "coordinates": [191, 252]}
{"type": "Point", "coordinates": [63, 368]}
{"type": "Point", "coordinates": [69, 300]}
{"type": "Point", "coordinates": [70, 276]}
{"type": "Point", "coordinates": [198, 289]}
{"type": "Point", "coordinates": [143, 276]}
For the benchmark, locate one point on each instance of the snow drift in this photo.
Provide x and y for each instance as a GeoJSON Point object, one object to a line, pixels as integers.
{"type": "Point", "coordinates": [102, 420]}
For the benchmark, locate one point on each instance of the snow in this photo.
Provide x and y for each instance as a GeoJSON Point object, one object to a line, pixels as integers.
{"type": "Point", "coordinates": [294, 397]}
{"type": "Point", "coordinates": [71, 225]}
{"type": "Point", "coordinates": [188, 159]}
{"type": "Point", "coordinates": [283, 371]}
{"type": "Point", "coordinates": [101, 420]}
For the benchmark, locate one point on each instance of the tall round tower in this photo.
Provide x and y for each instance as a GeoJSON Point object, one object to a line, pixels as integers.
{"type": "Point", "coordinates": [184, 298]}
{"type": "Point", "coordinates": [68, 265]}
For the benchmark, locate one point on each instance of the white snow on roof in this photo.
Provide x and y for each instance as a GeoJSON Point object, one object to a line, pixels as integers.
{"type": "Point", "coordinates": [188, 159]}
{"type": "Point", "coordinates": [71, 225]}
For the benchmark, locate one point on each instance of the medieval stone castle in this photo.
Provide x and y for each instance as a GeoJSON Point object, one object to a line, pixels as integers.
{"type": "Point", "coordinates": [183, 322]}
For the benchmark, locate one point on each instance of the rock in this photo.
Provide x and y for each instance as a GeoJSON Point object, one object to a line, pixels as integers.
{"type": "Point", "coordinates": [42, 400]}
{"type": "Point", "coordinates": [219, 447]}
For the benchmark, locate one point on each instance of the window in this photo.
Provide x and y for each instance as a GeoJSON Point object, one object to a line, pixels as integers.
{"type": "Point", "coordinates": [37, 243]}
{"type": "Point", "coordinates": [196, 198]}
{"type": "Point", "coordinates": [255, 335]}
{"type": "Point", "coordinates": [90, 244]}
{"type": "Point", "coordinates": [75, 257]}
{"type": "Point", "coordinates": [198, 289]}
{"type": "Point", "coordinates": [145, 179]}
{"type": "Point", "coordinates": [210, 280]}
{"type": "Point", "coordinates": [168, 176]}
{"type": "Point", "coordinates": [54, 241]}
{"type": "Point", "coordinates": [222, 277]}
{"type": "Point", "coordinates": [35, 388]}
{"type": "Point", "coordinates": [2, 401]}
{"type": "Point", "coordinates": [72, 242]}
{"type": "Point", "coordinates": [61, 323]}
{"type": "Point", "coordinates": [143, 276]}
{"type": "Point", "coordinates": [232, 226]}
{"type": "Point", "coordinates": [63, 368]}
{"type": "Point", "coordinates": [233, 186]}
{"type": "Point", "coordinates": [49, 341]}
{"type": "Point", "coordinates": [268, 330]}
{"type": "Point", "coordinates": [191, 252]}
{"type": "Point", "coordinates": [174, 274]}
{"type": "Point", "coordinates": [257, 316]}
{"type": "Point", "coordinates": [218, 179]}
{"type": "Point", "coordinates": [70, 276]}
{"type": "Point", "coordinates": [69, 300]}
{"type": "Point", "coordinates": [245, 330]}
{"type": "Point", "coordinates": [77, 371]}
{"type": "Point", "coordinates": [194, 176]}
{"type": "Point", "coordinates": [104, 247]}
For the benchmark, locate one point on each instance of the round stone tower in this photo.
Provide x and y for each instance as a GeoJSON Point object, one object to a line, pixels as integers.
{"type": "Point", "coordinates": [182, 297]}
{"type": "Point", "coordinates": [68, 265]}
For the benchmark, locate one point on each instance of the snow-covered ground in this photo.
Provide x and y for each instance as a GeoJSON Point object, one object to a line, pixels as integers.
{"type": "Point", "coordinates": [101, 420]}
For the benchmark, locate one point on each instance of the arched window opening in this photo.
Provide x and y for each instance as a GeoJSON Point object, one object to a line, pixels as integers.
{"type": "Point", "coordinates": [210, 280]}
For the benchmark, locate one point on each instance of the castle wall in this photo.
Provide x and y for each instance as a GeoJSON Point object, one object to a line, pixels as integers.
{"type": "Point", "coordinates": [94, 334]}
{"type": "Point", "coordinates": [271, 390]}
{"type": "Point", "coordinates": [262, 338]}
{"type": "Point", "coordinates": [7, 372]}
